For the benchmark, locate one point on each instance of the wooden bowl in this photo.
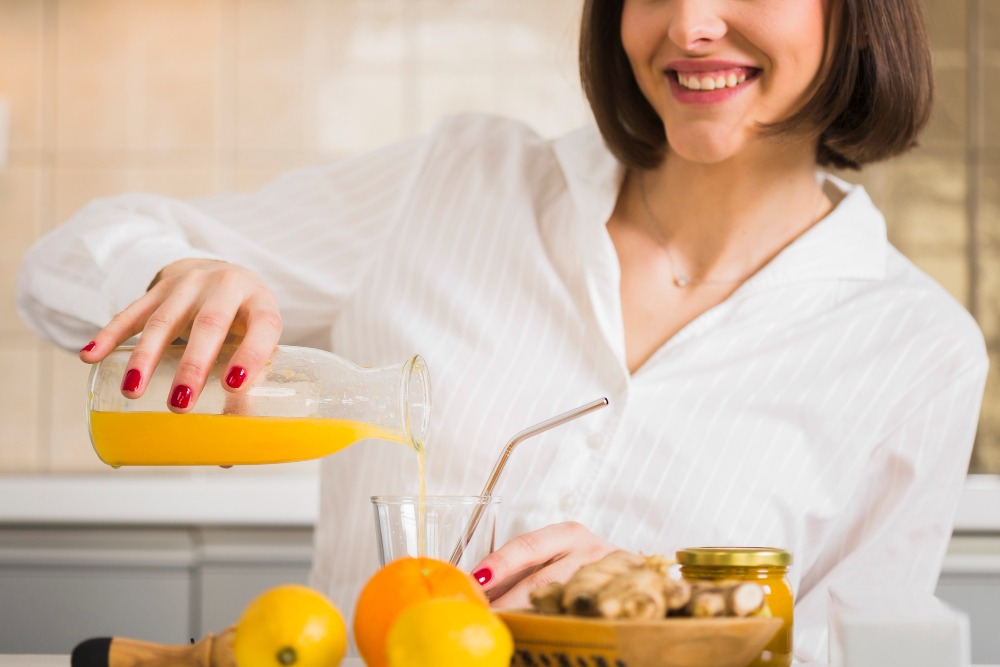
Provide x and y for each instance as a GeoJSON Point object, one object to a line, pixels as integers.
{"type": "Point", "coordinates": [541, 639]}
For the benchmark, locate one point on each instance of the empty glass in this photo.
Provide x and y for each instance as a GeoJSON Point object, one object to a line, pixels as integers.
{"type": "Point", "coordinates": [444, 520]}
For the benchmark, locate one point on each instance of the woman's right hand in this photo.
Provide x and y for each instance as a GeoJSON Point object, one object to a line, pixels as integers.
{"type": "Point", "coordinates": [203, 301]}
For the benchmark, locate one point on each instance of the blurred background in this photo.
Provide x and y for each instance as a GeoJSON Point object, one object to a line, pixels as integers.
{"type": "Point", "coordinates": [193, 97]}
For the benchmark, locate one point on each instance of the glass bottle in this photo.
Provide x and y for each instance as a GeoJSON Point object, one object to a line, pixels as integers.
{"type": "Point", "coordinates": [305, 404]}
{"type": "Point", "coordinates": [765, 565]}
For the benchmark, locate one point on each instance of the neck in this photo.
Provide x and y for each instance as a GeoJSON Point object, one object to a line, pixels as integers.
{"type": "Point", "coordinates": [725, 220]}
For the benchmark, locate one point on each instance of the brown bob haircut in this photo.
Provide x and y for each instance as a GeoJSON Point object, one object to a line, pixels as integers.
{"type": "Point", "coordinates": [871, 101]}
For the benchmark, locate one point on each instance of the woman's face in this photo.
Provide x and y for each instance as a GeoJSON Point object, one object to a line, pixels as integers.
{"type": "Point", "coordinates": [714, 70]}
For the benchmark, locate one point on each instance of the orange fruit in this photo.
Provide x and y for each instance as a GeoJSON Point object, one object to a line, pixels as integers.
{"type": "Point", "coordinates": [290, 626]}
{"type": "Point", "coordinates": [399, 585]}
{"type": "Point", "coordinates": [449, 633]}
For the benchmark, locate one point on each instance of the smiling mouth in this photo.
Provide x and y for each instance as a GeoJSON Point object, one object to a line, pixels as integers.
{"type": "Point", "coordinates": [715, 80]}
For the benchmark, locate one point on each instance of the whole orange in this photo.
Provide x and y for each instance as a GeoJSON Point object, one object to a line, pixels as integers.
{"type": "Point", "coordinates": [399, 585]}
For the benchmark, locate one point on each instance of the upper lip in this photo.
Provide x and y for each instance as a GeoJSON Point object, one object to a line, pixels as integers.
{"type": "Point", "coordinates": [687, 66]}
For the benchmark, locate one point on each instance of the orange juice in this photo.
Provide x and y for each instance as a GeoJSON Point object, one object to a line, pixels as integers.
{"type": "Point", "coordinates": [421, 499]}
{"type": "Point", "coordinates": [165, 438]}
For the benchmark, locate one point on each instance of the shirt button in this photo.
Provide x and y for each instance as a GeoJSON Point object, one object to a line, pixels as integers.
{"type": "Point", "coordinates": [567, 502]}
{"type": "Point", "coordinates": [595, 440]}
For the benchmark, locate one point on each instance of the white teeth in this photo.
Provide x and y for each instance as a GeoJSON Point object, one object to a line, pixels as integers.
{"type": "Point", "coordinates": [693, 82]}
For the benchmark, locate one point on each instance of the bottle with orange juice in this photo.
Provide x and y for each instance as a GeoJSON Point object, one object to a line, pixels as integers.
{"type": "Point", "coordinates": [305, 404]}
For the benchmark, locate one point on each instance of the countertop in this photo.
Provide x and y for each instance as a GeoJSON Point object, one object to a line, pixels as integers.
{"type": "Point", "coordinates": [63, 661]}
{"type": "Point", "coordinates": [135, 496]}
{"type": "Point", "coordinates": [248, 497]}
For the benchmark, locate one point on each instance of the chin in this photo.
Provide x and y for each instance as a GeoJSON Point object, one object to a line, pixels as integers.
{"type": "Point", "coordinates": [704, 152]}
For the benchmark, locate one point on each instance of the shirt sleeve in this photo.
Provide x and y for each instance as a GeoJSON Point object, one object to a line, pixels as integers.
{"type": "Point", "coordinates": [897, 531]}
{"type": "Point", "coordinates": [310, 235]}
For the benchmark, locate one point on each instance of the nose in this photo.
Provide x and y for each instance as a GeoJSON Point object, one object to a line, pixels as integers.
{"type": "Point", "coordinates": [695, 23]}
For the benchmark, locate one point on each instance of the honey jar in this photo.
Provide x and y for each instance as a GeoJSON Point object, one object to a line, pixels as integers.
{"type": "Point", "coordinates": [766, 566]}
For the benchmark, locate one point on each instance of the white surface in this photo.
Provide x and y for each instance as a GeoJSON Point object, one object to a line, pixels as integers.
{"type": "Point", "coordinates": [260, 499]}
{"type": "Point", "coordinates": [875, 626]}
{"type": "Point", "coordinates": [127, 497]}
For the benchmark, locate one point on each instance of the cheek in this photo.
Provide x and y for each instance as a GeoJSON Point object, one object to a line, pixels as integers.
{"type": "Point", "coordinates": [797, 58]}
{"type": "Point", "coordinates": [638, 34]}
{"type": "Point", "coordinates": [811, 36]}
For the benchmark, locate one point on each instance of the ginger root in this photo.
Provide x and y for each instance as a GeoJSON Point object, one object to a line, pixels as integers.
{"type": "Point", "coordinates": [547, 599]}
{"type": "Point", "coordinates": [726, 597]}
{"type": "Point", "coordinates": [636, 594]}
{"type": "Point", "coordinates": [626, 585]}
{"type": "Point", "coordinates": [580, 593]}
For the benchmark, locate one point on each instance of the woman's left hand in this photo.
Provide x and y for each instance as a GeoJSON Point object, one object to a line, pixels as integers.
{"type": "Point", "coordinates": [552, 553]}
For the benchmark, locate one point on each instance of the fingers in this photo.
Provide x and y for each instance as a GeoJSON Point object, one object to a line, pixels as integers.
{"type": "Point", "coordinates": [209, 301]}
{"type": "Point", "coordinates": [210, 326]}
{"type": "Point", "coordinates": [151, 315]}
{"type": "Point", "coordinates": [518, 596]}
{"type": "Point", "coordinates": [122, 326]}
{"type": "Point", "coordinates": [162, 327]}
{"type": "Point", "coordinates": [263, 329]}
{"type": "Point", "coordinates": [552, 553]}
{"type": "Point", "coordinates": [235, 301]}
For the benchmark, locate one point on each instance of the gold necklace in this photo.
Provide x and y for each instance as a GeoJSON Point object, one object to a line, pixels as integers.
{"type": "Point", "coordinates": [681, 279]}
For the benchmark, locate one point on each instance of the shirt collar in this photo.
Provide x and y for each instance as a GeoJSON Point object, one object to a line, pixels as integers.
{"type": "Point", "coordinates": [848, 244]}
{"type": "Point", "coordinates": [593, 175]}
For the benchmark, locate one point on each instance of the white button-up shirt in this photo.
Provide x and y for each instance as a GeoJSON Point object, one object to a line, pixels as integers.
{"type": "Point", "coordinates": [828, 407]}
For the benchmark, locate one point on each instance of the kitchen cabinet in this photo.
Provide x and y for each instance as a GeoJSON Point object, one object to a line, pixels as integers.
{"type": "Point", "coordinates": [970, 581]}
{"type": "Point", "coordinates": [235, 564]}
{"type": "Point", "coordinates": [60, 585]}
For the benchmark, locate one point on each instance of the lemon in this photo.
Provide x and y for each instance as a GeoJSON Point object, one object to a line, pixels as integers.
{"type": "Point", "coordinates": [449, 633]}
{"type": "Point", "coordinates": [290, 626]}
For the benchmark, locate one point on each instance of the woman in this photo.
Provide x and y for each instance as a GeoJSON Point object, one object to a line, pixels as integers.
{"type": "Point", "coordinates": [777, 373]}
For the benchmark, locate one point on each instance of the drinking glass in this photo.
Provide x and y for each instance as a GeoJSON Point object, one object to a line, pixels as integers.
{"type": "Point", "coordinates": [444, 519]}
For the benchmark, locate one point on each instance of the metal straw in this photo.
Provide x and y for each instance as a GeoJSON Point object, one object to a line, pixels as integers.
{"type": "Point", "coordinates": [558, 420]}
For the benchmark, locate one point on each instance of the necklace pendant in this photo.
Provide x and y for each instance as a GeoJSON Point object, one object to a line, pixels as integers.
{"type": "Point", "coordinates": [682, 281]}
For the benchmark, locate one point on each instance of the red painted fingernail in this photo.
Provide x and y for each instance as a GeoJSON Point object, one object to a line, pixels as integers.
{"type": "Point", "coordinates": [236, 377]}
{"type": "Point", "coordinates": [88, 347]}
{"type": "Point", "coordinates": [132, 380]}
{"type": "Point", "coordinates": [181, 396]}
{"type": "Point", "coordinates": [483, 576]}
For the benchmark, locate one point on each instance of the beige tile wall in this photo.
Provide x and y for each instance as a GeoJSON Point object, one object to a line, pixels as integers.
{"type": "Point", "coordinates": [188, 97]}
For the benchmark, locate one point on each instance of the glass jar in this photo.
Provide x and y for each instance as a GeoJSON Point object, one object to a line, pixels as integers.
{"type": "Point", "coordinates": [766, 566]}
{"type": "Point", "coordinates": [305, 404]}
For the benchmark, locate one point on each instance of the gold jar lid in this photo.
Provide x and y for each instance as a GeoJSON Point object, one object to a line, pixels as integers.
{"type": "Point", "coordinates": [735, 557]}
